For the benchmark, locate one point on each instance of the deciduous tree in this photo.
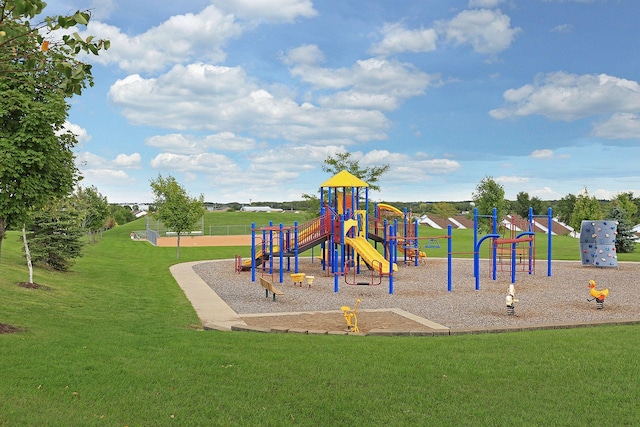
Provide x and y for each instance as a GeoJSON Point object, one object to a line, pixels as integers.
{"type": "Point", "coordinates": [344, 161]}
{"type": "Point", "coordinates": [586, 207]}
{"type": "Point", "coordinates": [38, 72]}
{"type": "Point", "coordinates": [488, 195]}
{"type": "Point", "coordinates": [174, 207]}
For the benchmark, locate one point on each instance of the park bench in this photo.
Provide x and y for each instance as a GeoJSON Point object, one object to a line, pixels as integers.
{"type": "Point", "coordinates": [268, 287]}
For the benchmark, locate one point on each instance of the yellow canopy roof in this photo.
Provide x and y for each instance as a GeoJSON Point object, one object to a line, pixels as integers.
{"type": "Point", "coordinates": [344, 179]}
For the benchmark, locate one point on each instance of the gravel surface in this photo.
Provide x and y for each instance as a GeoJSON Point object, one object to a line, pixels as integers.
{"type": "Point", "coordinates": [422, 291]}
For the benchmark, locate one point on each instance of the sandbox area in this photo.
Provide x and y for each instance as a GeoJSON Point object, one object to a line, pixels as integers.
{"type": "Point", "coordinates": [421, 298]}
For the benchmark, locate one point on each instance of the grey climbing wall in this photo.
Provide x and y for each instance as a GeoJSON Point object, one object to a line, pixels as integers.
{"type": "Point", "coordinates": [598, 243]}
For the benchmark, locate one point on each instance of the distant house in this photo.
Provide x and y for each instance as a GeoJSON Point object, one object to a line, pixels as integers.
{"type": "Point", "coordinates": [259, 209]}
{"type": "Point", "coordinates": [461, 221]}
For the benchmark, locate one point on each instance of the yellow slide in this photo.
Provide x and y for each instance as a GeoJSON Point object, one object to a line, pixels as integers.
{"type": "Point", "coordinates": [386, 207]}
{"type": "Point", "coordinates": [369, 254]}
{"type": "Point", "coordinates": [246, 264]}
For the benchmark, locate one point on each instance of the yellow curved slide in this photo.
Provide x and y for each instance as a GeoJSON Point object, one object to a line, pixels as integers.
{"type": "Point", "coordinates": [369, 254]}
{"type": "Point", "coordinates": [386, 207]}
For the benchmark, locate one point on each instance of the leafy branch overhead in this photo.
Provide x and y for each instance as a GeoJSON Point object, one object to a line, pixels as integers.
{"type": "Point", "coordinates": [34, 48]}
{"type": "Point", "coordinates": [39, 69]}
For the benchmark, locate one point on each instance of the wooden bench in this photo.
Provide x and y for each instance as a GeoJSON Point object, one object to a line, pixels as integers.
{"type": "Point", "coordinates": [268, 287]}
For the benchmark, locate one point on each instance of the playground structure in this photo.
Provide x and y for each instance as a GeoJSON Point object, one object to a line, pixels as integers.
{"type": "Point", "coordinates": [348, 233]}
{"type": "Point", "coordinates": [598, 243]}
{"type": "Point", "coordinates": [344, 231]}
{"type": "Point", "coordinates": [518, 245]}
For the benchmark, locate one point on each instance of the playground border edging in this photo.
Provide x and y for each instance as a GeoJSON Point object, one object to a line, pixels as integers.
{"type": "Point", "coordinates": [434, 333]}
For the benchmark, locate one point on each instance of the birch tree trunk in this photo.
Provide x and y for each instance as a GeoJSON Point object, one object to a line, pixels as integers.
{"type": "Point", "coordinates": [27, 253]}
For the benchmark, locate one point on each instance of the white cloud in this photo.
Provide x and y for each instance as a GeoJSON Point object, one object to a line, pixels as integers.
{"type": "Point", "coordinates": [127, 161]}
{"type": "Point", "coordinates": [619, 126]}
{"type": "Point", "coordinates": [309, 55]}
{"type": "Point", "coordinates": [373, 83]}
{"type": "Point", "coordinates": [484, 3]}
{"type": "Point", "coordinates": [487, 31]}
{"type": "Point", "coordinates": [542, 154]}
{"type": "Point", "coordinates": [215, 98]}
{"type": "Point", "coordinates": [397, 38]}
{"type": "Point", "coordinates": [562, 28]}
{"type": "Point", "coordinates": [179, 39]}
{"type": "Point", "coordinates": [81, 133]}
{"type": "Point", "coordinates": [268, 10]}
{"type": "Point", "coordinates": [565, 96]}
{"type": "Point", "coordinates": [98, 170]}
{"type": "Point", "coordinates": [511, 179]}
{"type": "Point", "coordinates": [208, 163]}
{"type": "Point", "coordinates": [191, 144]}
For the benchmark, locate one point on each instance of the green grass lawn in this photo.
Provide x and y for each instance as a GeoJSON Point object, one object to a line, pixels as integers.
{"type": "Point", "coordinates": [115, 342]}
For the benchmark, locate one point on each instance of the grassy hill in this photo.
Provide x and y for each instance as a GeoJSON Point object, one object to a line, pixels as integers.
{"type": "Point", "coordinates": [115, 342]}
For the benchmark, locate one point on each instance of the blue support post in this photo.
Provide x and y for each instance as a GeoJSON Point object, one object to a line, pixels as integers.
{"type": "Point", "coordinates": [296, 246]}
{"type": "Point", "coordinates": [253, 251]}
{"type": "Point", "coordinates": [494, 249]}
{"type": "Point", "coordinates": [475, 233]}
{"type": "Point", "coordinates": [281, 251]}
{"type": "Point", "coordinates": [335, 275]}
{"type": "Point", "coordinates": [449, 256]}
{"type": "Point", "coordinates": [476, 258]}
{"type": "Point", "coordinates": [549, 228]}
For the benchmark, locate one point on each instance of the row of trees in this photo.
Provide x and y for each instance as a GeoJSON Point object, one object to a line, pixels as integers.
{"type": "Point", "coordinates": [40, 71]}
{"type": "Point", "coordinates": [571, 209]}
{"type": "Point", "coordinates": [54, 234]}
{"type": "Point", "coordinates": [489, 194]}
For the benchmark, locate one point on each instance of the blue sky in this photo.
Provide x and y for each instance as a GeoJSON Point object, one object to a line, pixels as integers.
{"type": "Point", "coordinates": [242, 100]}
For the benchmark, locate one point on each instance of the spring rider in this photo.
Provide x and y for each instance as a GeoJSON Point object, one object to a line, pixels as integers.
{"type": "Point", "coordinates": [350, 317]}
{"type": "Point", "coordinates": [511, 300]}
{"type": "Point", "coordinates": [597, 295]}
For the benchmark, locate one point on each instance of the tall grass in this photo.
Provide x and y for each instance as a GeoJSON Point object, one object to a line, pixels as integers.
{"type": "Point", "coordinates": [115, 342]}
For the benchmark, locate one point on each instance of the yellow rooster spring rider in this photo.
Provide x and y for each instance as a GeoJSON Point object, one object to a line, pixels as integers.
{"type": "Point", "coordinates": [597, 295]}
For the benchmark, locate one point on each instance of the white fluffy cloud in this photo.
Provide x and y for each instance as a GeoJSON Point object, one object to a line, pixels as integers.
{"type": "Point", "coordinates": [268, 10]}
{"type": "Point", "coordinates": [619, 126]}
{"type": "Point", "coordinates": [223, 99]}
{"type": "Point", "coordinates": [209, 163]}
{"type": "Point", "coordinates": [564, 96]}
{"type": "Point", "coordinates": [374, 83]}
{"type": "Point", "coordinates": [542, 154]}
{"type": "Point", "coordinates": [81, 133]}
{"type": "Point", "coordinates": [397, 38]}
{"type": "Point", "coordinates": [191, 144]}
{"type": "Point", "coordinates": [486, 31]}
{"type": "Point", "coordinates": [180, 39]}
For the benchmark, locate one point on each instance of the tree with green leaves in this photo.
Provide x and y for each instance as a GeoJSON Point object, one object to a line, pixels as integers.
{"type": "Point", "coordinates": [93, 210]}
{"type": "Point", "coordinates": [38, 72]}
{"type": "Point", "coordinates": [444, 209]}
{"type": "Point", "coordinates": [586, 208]}
{"type": "Point", "coordinates": [625, 202]}
{"type": "Point", "coordinates": [35, 48]}
{"type": "Point", "coordinates": [626, 238]}
{"type": "Point", "coordinates": [523, 203]}
{"type": "Point", "coordinates": [174, 207]}
{"type": "Point", "coordinates": [54, 236]}
{"type": "Point", "coordinates": [564, 208]}
{"type": "Point", "coordinates": [344, 161]}
{"type": "Point", "coordinates": [488, 195]}
{"type": "Point", "coordinates": [119, 215]}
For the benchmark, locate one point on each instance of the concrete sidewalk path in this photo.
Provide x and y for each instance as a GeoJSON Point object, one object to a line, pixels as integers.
{"type": "Point", "coordinates": [213, 312]}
